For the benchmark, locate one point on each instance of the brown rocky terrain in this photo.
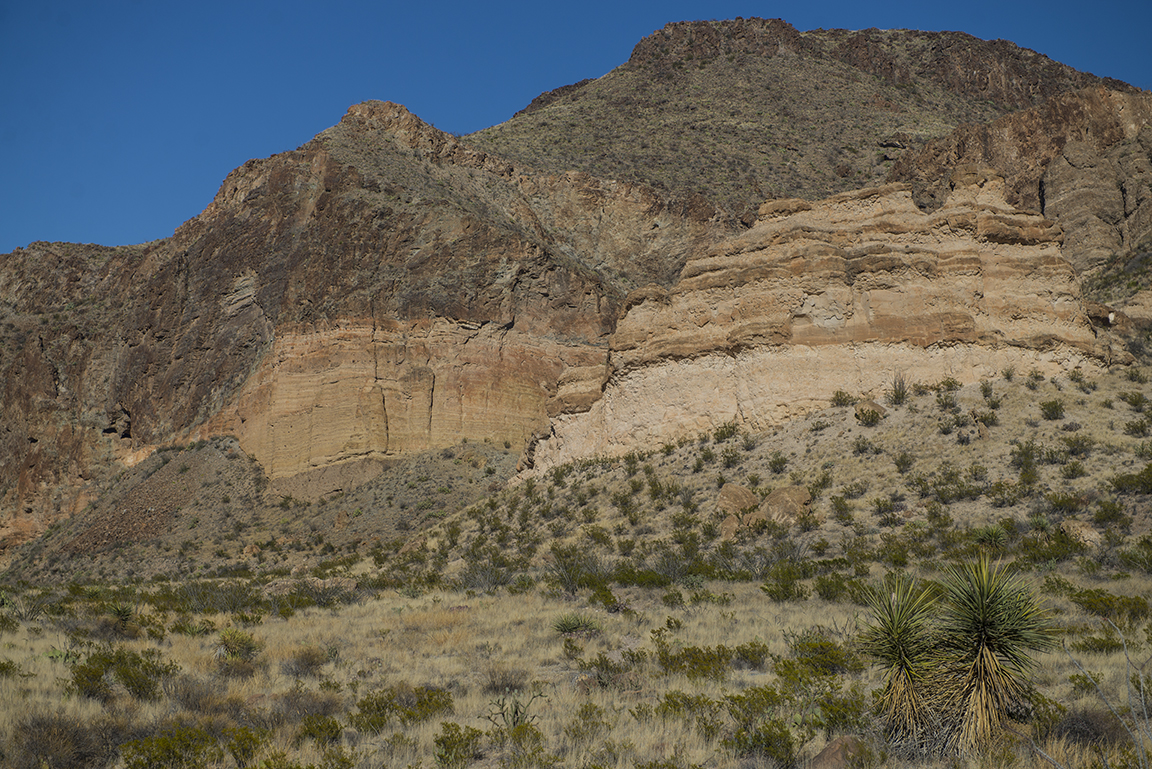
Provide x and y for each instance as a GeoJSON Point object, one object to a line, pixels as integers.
{"type": "Point", "coordinates": [373, 292]}
{"type": "Point", "coordinates": [388, 290]}
{"type": "Point", "coordinates": [746, 109]}
{"type": "Point", "coordinates": [1083, 158]}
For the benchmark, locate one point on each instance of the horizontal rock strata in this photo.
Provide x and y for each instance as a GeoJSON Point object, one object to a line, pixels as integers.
{"type": "Point", "coordinates": [833, 295]}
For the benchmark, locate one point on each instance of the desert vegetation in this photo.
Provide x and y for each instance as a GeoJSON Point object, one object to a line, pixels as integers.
{"type": "Point", "coordinates": [951, 593]}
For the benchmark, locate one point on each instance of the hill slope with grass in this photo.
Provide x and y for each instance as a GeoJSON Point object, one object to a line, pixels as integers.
{"type": "Point", "coordinates": [742, 110]}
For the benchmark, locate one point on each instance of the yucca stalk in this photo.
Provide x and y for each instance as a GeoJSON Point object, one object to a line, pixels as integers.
{"type": "Point", "coordinates": [900, 641]}
{"type": "Point", "coordinates": [990, 625]}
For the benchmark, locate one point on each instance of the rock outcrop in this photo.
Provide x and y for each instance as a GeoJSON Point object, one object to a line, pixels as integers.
{"type": "Point", "coordinates": [836, 295]}
{"type": "Point", "coordinates": [1083, 158]}
{"type": "Point", "coordinates": [382, 289]}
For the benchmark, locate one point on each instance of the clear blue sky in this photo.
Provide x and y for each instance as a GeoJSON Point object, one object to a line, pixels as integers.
{"type": "Point", "coordinates": [119, 120]}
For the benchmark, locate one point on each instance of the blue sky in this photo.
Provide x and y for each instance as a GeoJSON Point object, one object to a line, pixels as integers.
{"type": "Point", "coordinates": [119, 119]}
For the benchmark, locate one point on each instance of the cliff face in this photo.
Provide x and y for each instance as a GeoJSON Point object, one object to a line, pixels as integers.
{"type": "Point", "coordinates": [382, 289]}
{"type": "Point", "coordinates": [1083, 158]}
{"type": "Point", "coordinates": [388, 288]}
{"type": "Point", "coordinates": [838, 294]}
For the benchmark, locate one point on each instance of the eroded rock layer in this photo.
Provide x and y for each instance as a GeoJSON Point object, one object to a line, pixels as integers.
{"type": "Point", "coordinates": [833, 295]}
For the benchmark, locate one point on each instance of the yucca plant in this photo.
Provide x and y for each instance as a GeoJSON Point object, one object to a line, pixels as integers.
{"type": "Point", "coordinates": [990, 625]}
{"type": "Point", "coordinates": [900, 640]}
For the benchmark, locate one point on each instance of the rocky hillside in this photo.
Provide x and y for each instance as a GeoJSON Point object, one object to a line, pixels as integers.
{"type": "Point", "coordinates": [743, 110]}
{"type": "Point", "coordinates": [388, 290]}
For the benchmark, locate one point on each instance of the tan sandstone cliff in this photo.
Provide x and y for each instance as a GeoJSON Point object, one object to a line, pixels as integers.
{"type": "Point", "coordinates": [837, 294]}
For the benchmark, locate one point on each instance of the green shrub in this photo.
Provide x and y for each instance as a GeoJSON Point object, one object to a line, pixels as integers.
{"type": "Point", "coordinates": [400, 702]}
{"type": "Point", "coordinates": [1134, 483]}
{"type": "Point", "coordinates": [177, 746]}
{"type": "Point", "coordinates": [777, 462]}
{"type": "Point", "coordinates": [785, 581]}
{"type": "Point", "coordinates": [1120, 609]}
{"type": "Point", "coordinates": [724, 432]}
{"type": "Point", "coordinates": [841, 398]}
{"type": "Point", "coordinates": [245, 743]}
{"type": "Point", "coordinates": [1138, 556]}
{"type": "Point", "coordinates": [140, 673]}
{"type": "Point", "coordinates": [1138, 428]}
{"type": "Point", "coordinates": [321, 729]}
{"type": "Point", "coordinates": [868, 417]}
{"type": "Point", "coordinates": [1052, 410]}
{"type": "Point", "coordinates": [456, 746]}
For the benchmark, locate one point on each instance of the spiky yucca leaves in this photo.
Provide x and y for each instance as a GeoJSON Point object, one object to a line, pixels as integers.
{"type": "Point", "coordinates": [990, 625]}
{"type": "Point", "coordinates": [900, 640]}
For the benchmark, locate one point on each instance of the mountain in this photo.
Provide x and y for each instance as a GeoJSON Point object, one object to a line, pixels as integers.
{"type": "Point", "coordinates": [600, 271]}
{"type": "Point", "coordinates": [743, 110]}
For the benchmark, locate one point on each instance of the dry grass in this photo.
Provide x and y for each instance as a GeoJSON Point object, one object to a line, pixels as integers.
{"type": "Point", "coordinates": [409, 625]}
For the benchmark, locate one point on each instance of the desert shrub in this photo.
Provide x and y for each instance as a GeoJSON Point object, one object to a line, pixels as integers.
{"type": "Point", "coordinates": [760, 733]}
{"type": "Point", "coordinates": [785, 580]}
{"type": "Point", "coordinates": [1137, 400]}
{"type": "Point", "coordinates": [574, 567]}
{"type": "Point", "coordinates": [178, 746]}
{"type": "Point", "coordinates": [1090, 727]}
{"type": "Point", "coordinates": [695, 662]}
{"type": "Point", "coordinates": [817, 649]}
{"type": "Point", "coordinates": [987, 418]}
{"type": "Point", "coordinates": [1108, 642]}
{"type": "Point", "coordinates": [897, 394]}
{"type": "Point", "coordinates": [43, 739]}
{"type": "Point", "coordinates": [1109, 512]}
{"type": "Point", "coordinates": [400, 702]}
{"type": "Point", "coordinates": [456, 746]}
{"type": "Point", "coordinates": [140, 673]}
{"type": "Point", "coordinates": [1120, 609]}
{"type": "Point", "coordinates": [777, 462]}
{"type": "Point", "coordinates": [832, 587]}
{"type": "Point", "coordinates": [869, 417]}
{"type": "Point", "coordinates": [305, 662]}
{"type": "Point", "coordinates": [1078, 445]}
{"type": "Point", "coordinates": [699, 710]}
{"type": "Point", "coordinates": [724, 432]}
{"type": "Point", "coordinates": [1138, 556]}
{"type": "Point", "coordinates": [752, 654]}
{"type": "Point", "coordinates": [841, 510]}
{"type": "Point", "coordinates": [841, 398]}
{"type": "Point", "coordinates": [1052, 410]}
{"type": "Point", "coordinates": [1134, 483]}
{"type": "Point", "coordinates": [245, 743]}
{"type": "Point", "coordinates": [1138, 428]}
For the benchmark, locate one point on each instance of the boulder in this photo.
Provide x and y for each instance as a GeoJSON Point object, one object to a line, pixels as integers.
{"type": "Point", "coordinates": [729, 528]}
{"type": "Point", "coordinates": [841, 753]}
{"type": "Point", "coordinates": [736, 499]}
{"type": "Point", "coordinates": [1082, 532]}
{"type": "Point", "coordinates": [785, 505]}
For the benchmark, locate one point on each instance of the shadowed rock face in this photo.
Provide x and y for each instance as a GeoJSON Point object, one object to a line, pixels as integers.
{"type": "Point", "coordinates": [837, 295]}
{"type": "Point", "coordinates": [382, 289]}
{"type": "Point", "coordinates": [1083, 158]}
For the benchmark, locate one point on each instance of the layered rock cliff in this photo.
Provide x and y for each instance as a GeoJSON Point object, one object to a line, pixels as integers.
{"type": "Point", "coordinates": [382, 289]}
{"type": "Point", "coordinates": [838, 294]}
{"type": "Point", "coordinates": [387, 288]}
